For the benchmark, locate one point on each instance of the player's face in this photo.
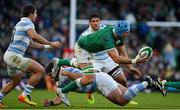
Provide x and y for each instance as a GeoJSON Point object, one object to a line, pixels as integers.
{"type": "Point", "coordinates": [94, 23]}
{"type": "Point", "coordinates": [34, 16]}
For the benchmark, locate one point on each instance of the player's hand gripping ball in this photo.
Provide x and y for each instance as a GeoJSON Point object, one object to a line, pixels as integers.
{"type": "Point", "coordinates": [145, 52]}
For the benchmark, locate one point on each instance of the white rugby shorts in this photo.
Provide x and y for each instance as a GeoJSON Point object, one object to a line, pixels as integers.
{"type": "Point", "coordinates": [15, 63]}
{"type": "Point", "coordinates": [105, 83]}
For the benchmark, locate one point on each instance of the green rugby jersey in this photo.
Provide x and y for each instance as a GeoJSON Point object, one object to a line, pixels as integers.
{"type": "Point", "coordinates": [99, 41]}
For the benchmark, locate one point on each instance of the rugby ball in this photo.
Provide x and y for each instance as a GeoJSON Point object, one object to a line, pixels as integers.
{"type": "Point", "coordinates": [145, 52]}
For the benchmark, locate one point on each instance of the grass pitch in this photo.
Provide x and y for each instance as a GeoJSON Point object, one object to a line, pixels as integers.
{"type": "Point", "coordinates": [153, 101]}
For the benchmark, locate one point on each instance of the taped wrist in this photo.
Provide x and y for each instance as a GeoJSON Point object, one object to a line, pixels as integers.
{"type": "Point", "coordinates": [47, 46]}
{"type": "Point", "coordinates": [133, 61]}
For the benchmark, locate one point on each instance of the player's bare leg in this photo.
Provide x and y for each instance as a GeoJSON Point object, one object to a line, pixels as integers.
{"type": "Point", "coordinates": [121, 79]}
{"type": "Point", "coordinates": [2, 105]}
{"type": "Point", "coordinates": [9, 87]}
{"type": "Point", "coordinates": [118, 76]}
{"type": "Point", "coordinates": [122, 95]}
{"type": "Point", "coordinates": [37, 71]}
{"type": "Point", "coordinates": [116, 97]}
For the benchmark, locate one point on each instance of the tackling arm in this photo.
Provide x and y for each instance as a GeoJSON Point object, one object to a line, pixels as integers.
{"type": "Point", "coordinates": [57, 100]}
{"type": "Point", "coordinates": [71, 75]}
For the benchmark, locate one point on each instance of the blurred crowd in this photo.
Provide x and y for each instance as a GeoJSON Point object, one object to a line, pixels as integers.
{"type": "Point", "coordinates": [53, 24]}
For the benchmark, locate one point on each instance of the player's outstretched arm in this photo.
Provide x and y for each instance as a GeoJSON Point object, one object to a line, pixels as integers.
{"type": "Point", "coordinates": [39, 46]}
{"type": "Point", "coordinates": [71, 75]}
{"type": "Point", "coordinates": [55, 102]}
{"type": "Point", "coordinates": [36, 45]}
{"type": "Point", "coordinates": [38, 38]}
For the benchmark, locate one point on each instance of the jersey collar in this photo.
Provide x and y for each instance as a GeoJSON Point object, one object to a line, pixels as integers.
{"type": "Point", "coordinates": [26, 18]}
{"type": "Point", "coordinates": [91, 29]}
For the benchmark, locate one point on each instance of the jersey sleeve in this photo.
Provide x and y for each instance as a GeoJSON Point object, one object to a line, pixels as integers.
{"type": "Point", "coordinates": [28, 25]}
{"type": "Point", "coordinates": [108, 42]}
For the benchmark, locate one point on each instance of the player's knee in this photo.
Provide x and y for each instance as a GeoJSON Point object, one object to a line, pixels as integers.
{"type": "Point", "coordinates": [41, 71]}
{"type": "Point", "coordinates": [122, 102]}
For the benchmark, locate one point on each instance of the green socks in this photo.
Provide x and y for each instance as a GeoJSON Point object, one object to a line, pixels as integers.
{"type": "Point", "coordinates": [63, 62]}
{"type": "Point", "coordinates": [173, 84]}
{"type": "Point", "coordinates": [71, 86]}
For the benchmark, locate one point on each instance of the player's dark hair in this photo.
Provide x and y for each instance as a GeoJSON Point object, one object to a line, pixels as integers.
{"type": "Point", "coordinates": [94, 15]}
{"type": "Point", "coordinates": [27, 10]}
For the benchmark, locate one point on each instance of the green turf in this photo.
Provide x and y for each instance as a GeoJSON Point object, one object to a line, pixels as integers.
{"type": "Point", "coordinates": [78, 101]}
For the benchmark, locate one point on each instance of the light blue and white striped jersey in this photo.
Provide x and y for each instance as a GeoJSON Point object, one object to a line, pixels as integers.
{"type": "Point", "coordinates": [84, 89]}
{"type": "Point", "coordinates": [100, 55]}
{"type": "Point", "coordinates": [20, 40]}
